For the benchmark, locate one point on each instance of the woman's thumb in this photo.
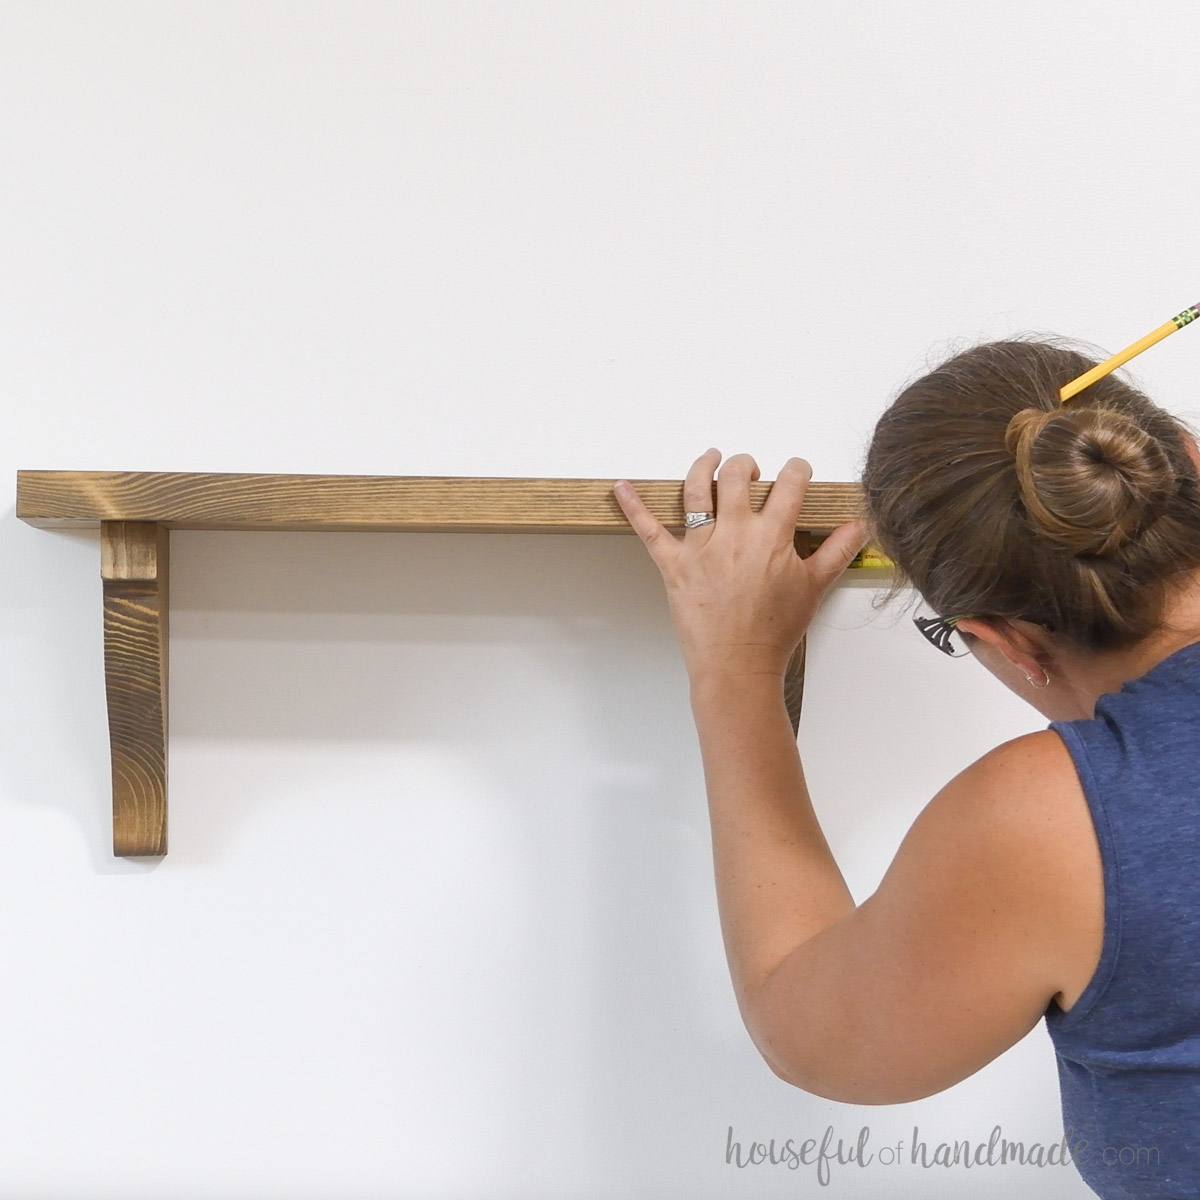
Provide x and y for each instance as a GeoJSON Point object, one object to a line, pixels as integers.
{"type": "Point", "coordinates": [837, 551]}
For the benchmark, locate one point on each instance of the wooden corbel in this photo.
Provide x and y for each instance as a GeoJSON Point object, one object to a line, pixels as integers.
{"type": "Point", "coordinates": [134, 564]}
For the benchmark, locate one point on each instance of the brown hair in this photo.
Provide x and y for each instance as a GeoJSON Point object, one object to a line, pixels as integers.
{"type": "Point", "coordinates": [994, 498]}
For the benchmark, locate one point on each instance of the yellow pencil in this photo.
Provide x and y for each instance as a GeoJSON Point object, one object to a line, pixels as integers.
{"type": "Point", "coordinates": [1098, 372]}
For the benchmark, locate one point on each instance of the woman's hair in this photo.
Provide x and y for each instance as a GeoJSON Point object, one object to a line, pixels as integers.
{"type": "Point", "coordinates": [994, 498]}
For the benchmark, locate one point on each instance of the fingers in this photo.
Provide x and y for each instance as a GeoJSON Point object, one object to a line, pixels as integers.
{"type": "Point", "coordinates": [698, 489]}
{"type": "Point", "coordinates": [787, 492]}
{"type": "Point", "coordinates": [645, 524]}
{"type": "Point", "coordinates": [733, 479]}
{"type": "Point", "coordinates": [733, 487]}
{"type": "Point", "coordinates": [837, 551]}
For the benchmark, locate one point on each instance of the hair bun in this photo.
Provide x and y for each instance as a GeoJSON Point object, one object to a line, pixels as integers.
{"type": "Point", "coordinates": [1091, 478]}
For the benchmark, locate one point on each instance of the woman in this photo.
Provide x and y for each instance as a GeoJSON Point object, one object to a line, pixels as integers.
{"type": "Point", "coordinates": [1058, 876]}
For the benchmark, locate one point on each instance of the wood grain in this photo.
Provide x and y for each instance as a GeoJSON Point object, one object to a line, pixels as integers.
{"type": "Point", "coordinates": [134, 571]}
{"type": "Point", "coordinates": [374, 502]}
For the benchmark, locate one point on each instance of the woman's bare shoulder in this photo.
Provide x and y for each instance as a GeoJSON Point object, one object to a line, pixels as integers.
{"type": "Point", "coordinates": [1025, 801]}
{"type": "Point", "coordinates": [991, 909]}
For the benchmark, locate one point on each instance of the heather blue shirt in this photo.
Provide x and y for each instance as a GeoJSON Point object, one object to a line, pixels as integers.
{"type": "Point", "coordinates": [1128, 1051]}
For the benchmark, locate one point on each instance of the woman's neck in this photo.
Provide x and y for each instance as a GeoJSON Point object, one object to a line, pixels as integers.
{"type": "Point", "coordinates": [1089, 676]}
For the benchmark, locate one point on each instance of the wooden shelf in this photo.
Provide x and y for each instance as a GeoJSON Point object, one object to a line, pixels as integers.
{"type": "Point", "coordinates": [135, 510]}
{"type": "Point", "coordinates": [372, 502]}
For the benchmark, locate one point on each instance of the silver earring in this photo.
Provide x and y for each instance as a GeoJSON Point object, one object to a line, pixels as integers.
{"type": "Point", "coordinates": [1029, 680]}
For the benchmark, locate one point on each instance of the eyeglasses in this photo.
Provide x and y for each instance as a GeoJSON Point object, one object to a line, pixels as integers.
{"type": "Point", "coordinates": [943, 633]}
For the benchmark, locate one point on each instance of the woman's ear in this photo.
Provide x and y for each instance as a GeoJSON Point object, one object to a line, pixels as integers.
{"type": "Point", "coordinates": [1009, 639]}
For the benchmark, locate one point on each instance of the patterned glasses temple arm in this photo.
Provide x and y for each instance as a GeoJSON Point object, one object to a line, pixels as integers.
{"type": "Point", "coordinates": [938, 631]}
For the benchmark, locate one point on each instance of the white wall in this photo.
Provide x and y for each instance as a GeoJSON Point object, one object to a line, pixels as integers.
{"type": "Point", "coordinates": [438, 917]}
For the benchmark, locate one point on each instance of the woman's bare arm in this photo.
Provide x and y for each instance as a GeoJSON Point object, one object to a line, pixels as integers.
{"type": "Point", "coordinates": [994, 902]}
{"type": "Point", "coordinates": [992, 907]}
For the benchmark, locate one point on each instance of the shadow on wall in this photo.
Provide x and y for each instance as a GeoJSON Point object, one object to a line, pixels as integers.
{"type": "Point", "coordinates": [542, 667]}
{"type": "Point", "coordinates": [54, 743]}
{"type": "Point", "coordinates": [544, 670]}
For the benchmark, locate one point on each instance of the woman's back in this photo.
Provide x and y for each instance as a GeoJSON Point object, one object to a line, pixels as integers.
{"type": "Point", "coordinates": [1129, 1048]}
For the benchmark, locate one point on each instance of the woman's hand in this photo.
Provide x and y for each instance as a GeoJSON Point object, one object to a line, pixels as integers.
{"type": "Point", "coordinates": [740, 596]}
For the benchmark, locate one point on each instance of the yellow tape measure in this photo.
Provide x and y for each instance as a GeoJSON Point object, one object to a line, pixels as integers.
{"type": "Point", "coordinates": [868, 556]}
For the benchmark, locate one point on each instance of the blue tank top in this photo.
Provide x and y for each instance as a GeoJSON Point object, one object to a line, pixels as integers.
{"type": "Point", "coordinates": [1128, 1050]}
